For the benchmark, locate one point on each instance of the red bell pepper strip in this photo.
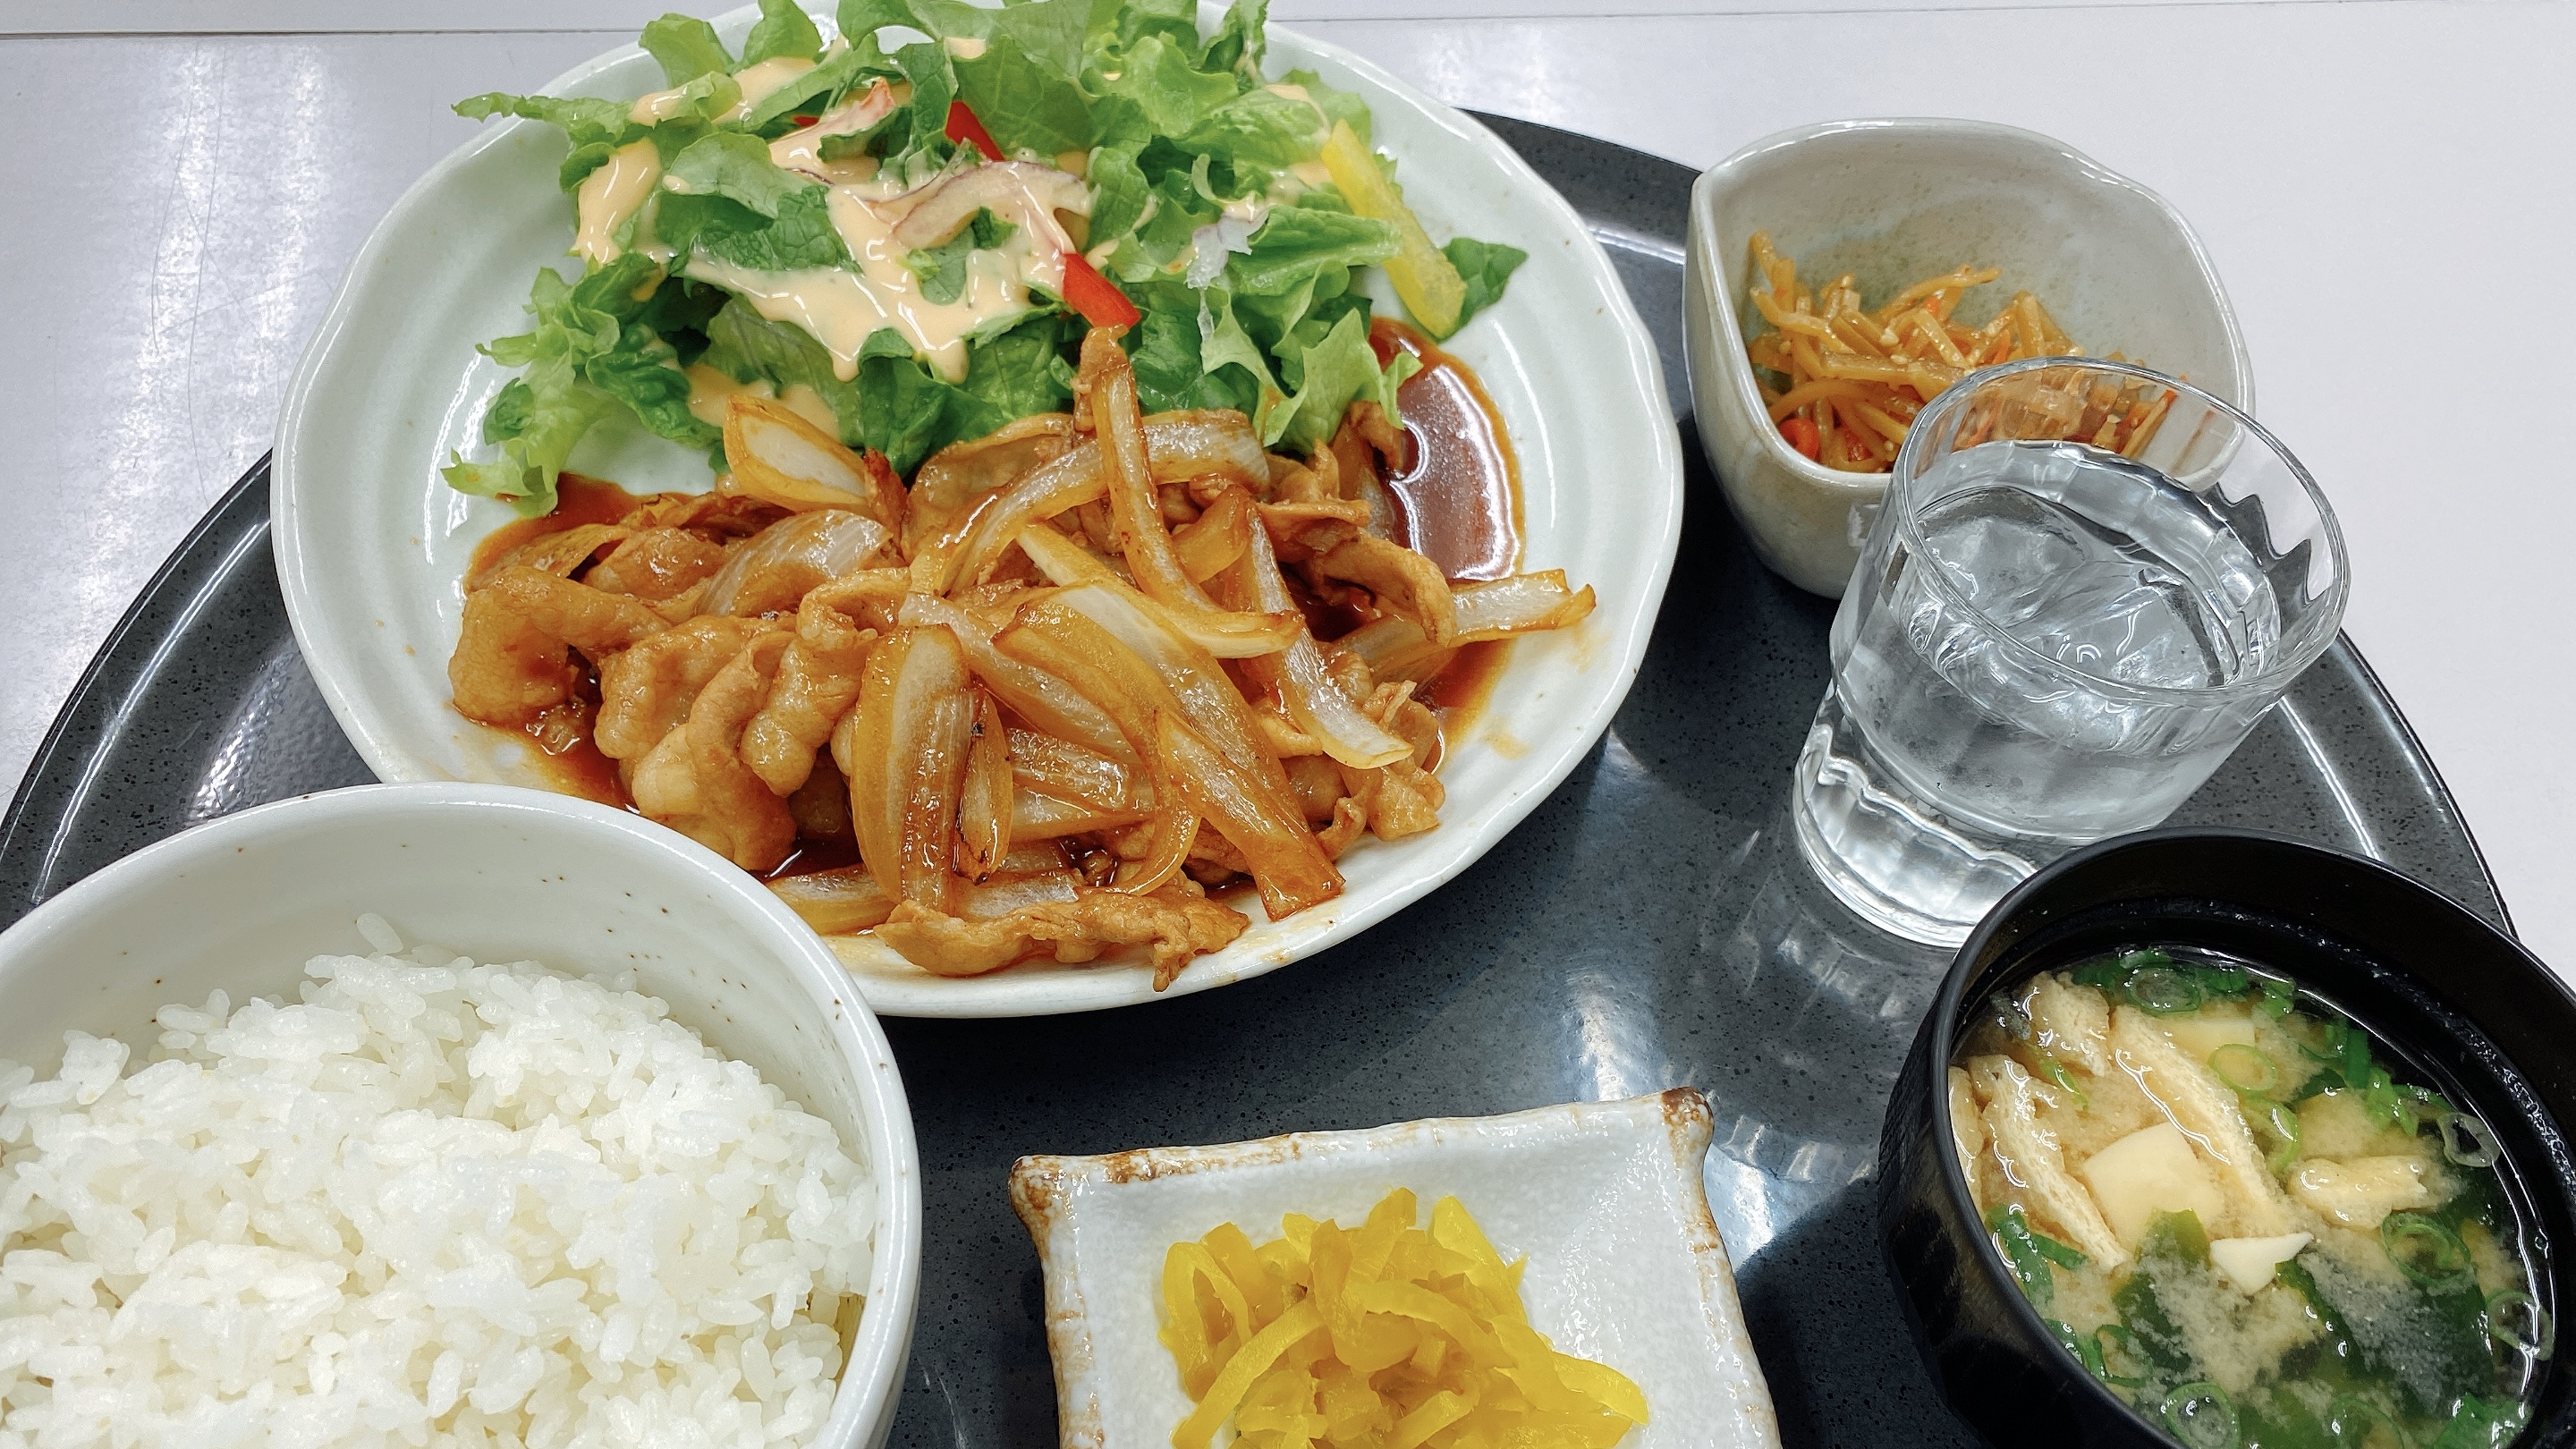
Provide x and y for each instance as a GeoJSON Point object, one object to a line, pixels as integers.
{"type": "Point", "coordinates": [966, 129]}
{"type": "Point", "coordinates": [1803, 436]}
{"type": "Point", "coordinates": [1095, 297]}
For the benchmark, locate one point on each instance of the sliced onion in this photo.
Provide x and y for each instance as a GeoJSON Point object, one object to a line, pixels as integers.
{"type": "Point", "coordinates": [903, 749]}
{"type": "Point", "coordinates": [1039, 816]}
{"type": "Point", "coordinates": [1179, 446]}
{"type": "Point", "coordinates": [1141, 534]}
{"type": "Point", "coordinates": [990, 902]}
{"type": "Point", "coordinates": [1524, 603]}
{"type": "Point", "coordinates": [1036, 696]}
{"type": "Point", "coordinates": [789, 559]}
{"type": "Point", "coordinates": [1043, 492]}
{"type": "Point", "coordinates": [1305, 686]}
{"type": "Point", "coordinates": [1021, 192]}
{"type": "Point", "coordinates": [984, 804]}
{"type": "Point", "coordinates": [1210, 244]}
{"type": "Point", "coordinates": [1520, 604]}
{"type": "Point", "coordinates": [777, 456]}
{"type": "Point", "coordinates": [1070, 772]}
{"type": "Point", "coordinates": [1197, 685]}
{"type": "Point", "coordinates": [1288, 866]}
{"type": "Point", "coordinates": [835, 902]}
{"type": "Point", "coordinates": [1062, 561]}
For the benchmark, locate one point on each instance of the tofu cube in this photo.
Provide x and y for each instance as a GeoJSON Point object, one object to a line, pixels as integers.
{"type": "Point", "coordinates": [2152, 1170]}
{"type": "Point", "coordinates": [2199, 1036]}
{"type": "Point", "coordinates": [2250, 1262]}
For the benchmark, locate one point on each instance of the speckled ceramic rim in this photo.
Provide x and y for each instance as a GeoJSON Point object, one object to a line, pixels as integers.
{"type": "Point", "coordinates": [2327, 612]}
{"type": "Point", "coordinates": [871, 1380]}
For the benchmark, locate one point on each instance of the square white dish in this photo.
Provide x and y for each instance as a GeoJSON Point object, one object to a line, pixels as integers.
{"type": "Point", "coordinates": [1605, 1199]}
{"type": "Point", "coordinates": [371, 543]}
{"type": "Point", "coordinates": [1894, 201]}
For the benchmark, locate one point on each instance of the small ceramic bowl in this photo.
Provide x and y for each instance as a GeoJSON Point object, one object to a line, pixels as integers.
{"type": "Point", "coordinates": [1895, 201]}
{"type": "Point", "coordinates": [2472, 1013]}
{"type": "Point", "coordinates": [1605, 1199]}
{"type": "Point", "coordinates": [498, 874]}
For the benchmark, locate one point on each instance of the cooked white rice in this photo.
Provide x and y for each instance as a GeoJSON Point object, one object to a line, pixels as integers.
{"type": "Point", "coordinates": [438, 1203]}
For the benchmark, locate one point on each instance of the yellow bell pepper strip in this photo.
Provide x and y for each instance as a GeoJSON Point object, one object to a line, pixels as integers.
{"type": "Point", "coordinates": [1425, 282]}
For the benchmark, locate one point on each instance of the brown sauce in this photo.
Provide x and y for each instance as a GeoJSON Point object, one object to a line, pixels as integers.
{"type": "Point", "coordinates": [812, 855]}
{"type": "Point", "coordinates": [1459, 492]}
{"type": "Point", "coordinates": [581, 770]}
{"type": "Point", "coordinates": [578, 500]}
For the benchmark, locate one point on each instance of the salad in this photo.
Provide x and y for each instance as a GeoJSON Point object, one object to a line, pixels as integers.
{"type": "Point", "coordinates": [903, 234]}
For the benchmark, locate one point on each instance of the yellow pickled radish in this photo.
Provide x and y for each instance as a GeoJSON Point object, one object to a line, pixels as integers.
{"type": "Point", "coordinates": [1389, 1332]}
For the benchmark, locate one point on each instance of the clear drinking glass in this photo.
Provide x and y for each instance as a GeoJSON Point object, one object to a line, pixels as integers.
{"type": "Point", "coordinates": [2087, 582]}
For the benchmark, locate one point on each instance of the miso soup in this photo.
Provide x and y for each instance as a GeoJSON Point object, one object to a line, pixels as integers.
{"type": "Point", "coordinates": [2244, 1214]}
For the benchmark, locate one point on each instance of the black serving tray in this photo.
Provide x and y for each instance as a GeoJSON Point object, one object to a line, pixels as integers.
{"type": "Point", "coordinates": [1650, 925]}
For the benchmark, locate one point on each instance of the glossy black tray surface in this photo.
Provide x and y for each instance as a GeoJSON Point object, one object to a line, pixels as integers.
{"type": "Point", "coordinates": [1650, 925]}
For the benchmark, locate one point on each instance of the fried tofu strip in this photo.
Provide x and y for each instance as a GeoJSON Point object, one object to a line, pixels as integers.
{"type": "Point", "coordinates": [2030, 1155]}
{"type": "Point", "coordinates": [1967, 1125]}
{"type": "Point", "coordinates": [2205, 1111]}
{"type": "Point", "coordinates": [2070, 1022]}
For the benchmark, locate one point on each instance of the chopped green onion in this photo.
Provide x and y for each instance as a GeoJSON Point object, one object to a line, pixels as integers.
{"type": "Point", "coordinates": [2085, 1349]}
{"type": "Point", "coordinates": [2117, 1334]}
{"type": "Point", "coordinates": [2278, 997]}
{"type": "Point", "coordinates": [2056, 1073]}
{"type": "Point", "coordinates": [2064, 1255]}
{"type": "Point", "coordinates": [2516, 1320]}
{"type": "Point", "coordinates": [2222, 980]}
{"type": "Point", "coordinates": [2104, 975]}
{"type": "Point", "coordinates": [2351, 1419]}
{"type": "Point", "coordinates": [2141, 959]}
{"type": "Point", "coordinates": [2427, 1252]}
{"type": "Point", "coordinates": [2285, 1125]}
{"type": "Point", "coordinates": [2248, 1069]}
{"type": "Point", "coordinates": [2468, 1141]}
{"type": "Point", "coordinates": [2201, 1417]}
{"type": "Point", "coordinates": [2028, 1253]}
{"type": "Point", "coordinates": [2164, 991]}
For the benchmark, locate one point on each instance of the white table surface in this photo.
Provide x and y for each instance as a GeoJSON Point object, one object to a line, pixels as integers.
{"type": "Point", "coordinates": [185, 181]}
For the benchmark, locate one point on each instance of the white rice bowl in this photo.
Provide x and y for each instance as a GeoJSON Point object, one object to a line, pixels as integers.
{"type": "Point", "coordinates": [435, 1202]}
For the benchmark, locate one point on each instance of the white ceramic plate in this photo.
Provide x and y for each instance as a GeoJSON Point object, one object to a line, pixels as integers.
{"type": "Point", "coordinates": [1605, 1199]}
{"type": "Point", "coordinates": [243, 902]}
{"type": "Point", "coordinates": [371, 542]}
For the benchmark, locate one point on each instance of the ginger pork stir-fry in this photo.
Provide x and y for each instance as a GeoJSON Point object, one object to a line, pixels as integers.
{"type": "Point", "coordinates": [1036, 703]}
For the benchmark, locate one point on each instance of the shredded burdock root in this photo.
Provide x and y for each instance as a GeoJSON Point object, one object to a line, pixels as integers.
{"type": "Point", "coordinates": [1386, 1334]}
{"type": "Point", "coordinates": [1852, 379]}
{"type": "Point", "coordinates": [1038, 703]}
